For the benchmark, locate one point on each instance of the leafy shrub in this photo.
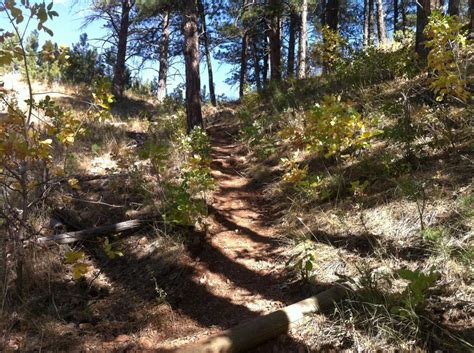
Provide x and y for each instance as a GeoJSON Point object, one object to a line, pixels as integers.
{"type": "Point", "coordinates": [334, 126]}
{"type": "Point", "coordinates": [414, 296]}
{"type": "Point", "coordinates": [373, 65]}
{"type": "Point", "coordinates": [303, 258]}
{"type": "Point", "coordinates": [28, 138]}
{"type": "Point", "coordinates": [328, 52]}
{"type": "Point", "coordinates": [450, 56]}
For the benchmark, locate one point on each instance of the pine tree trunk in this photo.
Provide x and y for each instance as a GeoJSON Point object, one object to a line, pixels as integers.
{"type": "Point", "coordinates": [332, 14]}
{"type": "Point", "coordinates": [164, 64]}
{"type": "Point", "coordinates": [453, 7]}
{"type": "Point", "coordinates": [266, 59]}
{"type": "Point", "coordinates": [471, 10]}
{"type": "Point", "coordinates": [404, 15]}
{"type": "Point", "coordinates": [290, 69]}
{"type": "Point", "coordinates": [381, 30]}
{"type": "Point", "coordinates": [303, 41]}
{"type": "Point", "coordinates": [365, 38]}
{"type": "Point", "coordinates": [207, 51]}
{"type": "Point", "coordinates": [422, 13]}
{"type": "Point", "coordinates": [118, 82]}
{"type": "Point", "coordinates": [191, 58]}
{"type": "Point", "coordinates": [256, 64]}
{"type": "Point", "coordinates": [370, 36]}
{"type": "Point", "coordinates": [275, 41]}
{"type": "Point", "coordinates": [243, 64]}
{"type": "Point", "coordinates": [395, 15]}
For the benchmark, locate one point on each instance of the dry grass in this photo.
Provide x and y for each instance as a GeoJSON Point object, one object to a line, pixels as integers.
{"type": "Point", "coordinates": [375, 233]}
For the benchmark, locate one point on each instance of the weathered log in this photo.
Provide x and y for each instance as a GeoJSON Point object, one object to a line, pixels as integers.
{"type": "Point", "coordinates": [71, 237]}
{"type": "Point", "coordinates": [261, 329]}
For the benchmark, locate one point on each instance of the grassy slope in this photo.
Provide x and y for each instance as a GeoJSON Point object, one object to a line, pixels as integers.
{"type": "Point", "coordinates": [372, 233]}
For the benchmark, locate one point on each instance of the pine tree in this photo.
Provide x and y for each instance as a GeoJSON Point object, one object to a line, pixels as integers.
{"type": "Point", "coordinates": [191, 58]}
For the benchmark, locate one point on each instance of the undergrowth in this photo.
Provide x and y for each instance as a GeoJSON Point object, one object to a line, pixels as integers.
{"type": "Point", "coordinates": [373, 162]}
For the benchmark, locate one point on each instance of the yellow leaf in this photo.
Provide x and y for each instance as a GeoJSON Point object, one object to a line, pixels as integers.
{"type": "Point", "coordinates": [74, 183]}
{"type": "Point", "coordinates": [74, 256]}
{"type": "Point", "coordinates": [46, 142]}
{"type": "Point", "coordinates": [79, 270]}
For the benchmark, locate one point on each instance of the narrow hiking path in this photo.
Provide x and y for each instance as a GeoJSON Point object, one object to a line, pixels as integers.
{"type": "Point", "coordinates": [241, 260]}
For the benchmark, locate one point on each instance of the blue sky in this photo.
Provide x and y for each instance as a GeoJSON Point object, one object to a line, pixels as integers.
{"type": "Point", "coordinates": [67, 28]}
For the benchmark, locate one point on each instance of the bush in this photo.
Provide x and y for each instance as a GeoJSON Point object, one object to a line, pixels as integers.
{"type": "Point", "coordinates": [450, 56]}
{"type": "Point", "coordinates": [333, 127]}
{"type": "Point", "coordinates": [373, 65]}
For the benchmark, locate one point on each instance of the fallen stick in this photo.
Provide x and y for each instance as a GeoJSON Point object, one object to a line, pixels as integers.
{"type": "Point", "coordinates": [71, 237]}
{"type": "Point", "coordinates": [253, 333]}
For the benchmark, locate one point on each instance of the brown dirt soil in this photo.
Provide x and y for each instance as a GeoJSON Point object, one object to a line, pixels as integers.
{"type": "Point", "coordinates": [240, 261]}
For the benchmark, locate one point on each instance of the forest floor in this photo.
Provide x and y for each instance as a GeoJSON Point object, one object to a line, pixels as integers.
{"type": "Point", "coordinates": [170, 289]}
{"type": "Point", "coordinates": [161, 295]}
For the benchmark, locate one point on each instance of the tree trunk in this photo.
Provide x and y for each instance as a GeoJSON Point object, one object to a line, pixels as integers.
{"type": "Point", "coordinates": [256, 64]}
{"type": "Point", "coordinates": [303, 40]}
{"type": "Point", "coordinates": [118, 82]}
{"type": "Point", "coordinates": [249, 335]}
{"type": "Point", "coordinates": [275, 41]}
{"type": "Point", "coordinates": [381, 31]}
{"type": "Point", "coordinates": [243, 64]}
{"type": "Point", "coordinates": [422, 13]}
{"type": "Point", "coordinates": [471, 10]}
{"type": "Point", "coordinates": [395, 15]}
{"type": "Point", "coordinates": [371, 23]}
{"type": "Point", "coordinates": [290, 68]}
{"type": "Point", "coordinates": [365, 38]}
{"type": "Point", "coordinates": [191, 59]}
{"type": "Point", "coordinates": [266, 59]}
{"type": "Point", "coordinates": [404, 15]}
{"type": "Point", "coordinates": [207, 51]}
{"type": "Point", "coordinates": [91, 233]}
{"type": "Point", "coordinates": [332, 14]}
{"type": "Point", "coordinates": [453, 7]}
{"type": "Point", "coordinates": [164, 64]}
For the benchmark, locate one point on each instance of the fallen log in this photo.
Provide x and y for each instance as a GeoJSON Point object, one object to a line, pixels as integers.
{"type": "Point", "coordinates": [71, 237]}
{"type": "Point", "coordinates": [253, 333]}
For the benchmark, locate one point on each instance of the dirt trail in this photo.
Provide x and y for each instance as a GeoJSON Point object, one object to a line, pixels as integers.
{"type": "Point", "coordinates": [241, 261]}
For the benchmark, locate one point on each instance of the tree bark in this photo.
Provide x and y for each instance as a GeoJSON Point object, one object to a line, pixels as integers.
{"type": "Point", "coordinates": [275, 41]}
{"type": "Point", "coordinates": [256, 64]}
{"type": "Point", "coordinates": [404, 15]}
{"type": "Point", "coordinates": [118, 82]}
{"type": "Point", "coordinates": [395, 15]}
{"type": "Point", "coordinates": [244, 45]}
{"type": "Point", "coordinates": [71, 237]}
{"type": "Point", "coordinates": [207, 51]}
{"type": "Point", "coordinates": [471, 10]}
{"type": "Point", "coordinates": [422, 13]}
{"type": "Point", "coordinates": [453, 7]}
{"type": "Point", "coordinates": [251, 334]}
{"type": "Point", "coordinates": [290, 67]}
{"type": "Point", "coordinates": [332, 14]}
{"type": "Point", "coordinates": [303, 41]}
{"type": "Point", "coordinates": [191, 59]}
{"type": "Point", "coordinates": [266, 59]}
{"type": "Point", "coordinates": [243, 64]}
{"type": "Point", "coordinates": [371, 23]}
{"type": "Point", "coordinates": [381, 30]}
{"type": "Point", "coordinates": [365, 38]}
{"type": "Point", "coordinates": [164, 64]}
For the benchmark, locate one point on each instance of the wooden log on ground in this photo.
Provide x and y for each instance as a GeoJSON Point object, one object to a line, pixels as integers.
{"type": "Point", "coordinates": [253, 333]}
{"type": "Point", "coordinates": [71, 237]}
